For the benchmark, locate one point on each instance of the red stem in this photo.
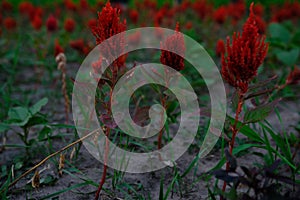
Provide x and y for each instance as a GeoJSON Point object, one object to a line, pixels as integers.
{"type": "Point", "coordinates": [234, 132]}
{"type": "Point", "coordinates": [103, 178]}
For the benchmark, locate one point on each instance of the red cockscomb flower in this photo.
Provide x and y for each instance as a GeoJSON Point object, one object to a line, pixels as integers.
{"type": "Point", "coordinates": [109, 24]}
{"type": "Point", "coordinates": [220, 15]}
{"type": "Point", "coordinates": [134, 16]}
{"type": "Point", "coordinates": [174, 42]}
{"type": "Point", "coordinates": [69, 25]}
{"type": "Point", "coordinates": [92, 23]}
{"type": "Point", "coordinates": [6, 6]}
{"type": "Point", "coordinates": [37, 22]}
{"type": "Point", "coordinates": [189, 25]}
{"type": "Point", "coordinates": [80, 46]}
{"type": "Point", "coordinates": [26, 8]}
{"type": "Point", "coordinates": [70, 5]}
{"type": "Point", "coordinates": [244, 55]}
{"type": "Point", "coordinates": [57, 48]}
{"type": "Point", "coordinates": [202, 8]}
{"type": "Point", "coordinates": [10, 23]}
{"type": "Point", "coordinates": [51, 23]}
{"type": "Point", "coordinates": [236, 11]}
{"type": "Point", "coordinates": [220, 48]}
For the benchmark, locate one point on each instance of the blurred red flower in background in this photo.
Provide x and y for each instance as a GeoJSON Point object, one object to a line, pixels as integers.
{"type": "Point", "coordinates": [244, 55]}
{"type": "Point", "coordinates": [80, 46]}
{"type": "Point", "coordinates": [37, 22]}
{"type": "Point", "coordinates": [92, 23]}
{"type": "Point", "coordinates": [134, 16]}
{"type": "Point", "coordinates": [189, 25]}
{"type": "Point", "coordinates": [9, 23]}
{"type": "Point", "coordinates": [286, 12]}
{"type": "Point", "coordinates": [57, 48]}
{"type": "Point", "coordinates": [6, 6]}
{"type": "Point", "coordinates": [220, 48]}
{"type": "Point", "coordinates": [51, 23]}
{"type": "Point", "coordinates": [236, 11]}
{"type": "Point", "coordinates": [69, 25]}
{"type": "Point", "coordinates": [70, 5]}
{"type": "Point", "coordinates": [174, 42]}
{"type": "Point", "coordinates": [220, 15]}
{"type": "Point", "coordinates": [202, 8]}
{"type": "Point", "coordinates": [26, 8]}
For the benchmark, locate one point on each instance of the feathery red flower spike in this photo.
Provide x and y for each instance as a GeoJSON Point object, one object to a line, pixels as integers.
{"type": "Point", "coordinates": [244, 55]}
{"type": "Point", "coordinates": [174, 42]}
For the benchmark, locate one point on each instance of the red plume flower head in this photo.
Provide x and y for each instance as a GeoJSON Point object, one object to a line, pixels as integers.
{"type": "Point", "coordinates": [51, 23]}
{"type": "Point", "coordinates": [109, 24]}
{"type": "Point", "coordinates": [220, 15]}
{"type": "Point", "coordinates": [10, 23]}
{"type": "Point", "coordinates": [220, 48]}
{"type": "Point", "coordinates": [69, 25]}
{"type": "Point", "coordinates": [244, 55]}
{"type": "Point", "coordinates": [175, 43]}
{"type": "Point", "coordinates": [57, 48]}
{"type": "Point", "coordinates": [37, 22]}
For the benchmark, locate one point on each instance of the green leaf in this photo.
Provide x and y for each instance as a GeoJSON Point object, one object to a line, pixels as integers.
{"type": "Point", "coordinates": [259, 113]}
{"type": "Point", "coordinates": [3, 127]}
{"type": "Point", "coordinates": [44, 132]}
{"type": "Point", "coordinates": [279, 32]}
{"type": "Point", "coordinates": [18, 116]}
{"type": "Point", "coordinates": [37, 107]}
{"type": "Point", "coordinates": [288, 58]}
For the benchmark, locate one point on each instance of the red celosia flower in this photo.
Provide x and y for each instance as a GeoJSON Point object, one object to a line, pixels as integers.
{"type": "Point", "coordinates": [6, 6]}
{"type": "Point", "coordinates": [220, 48]}
{"type": "Point", "coordinates": [189, 25]}
{"type": "Point", "coordinates": [26, 8]}
{"type": "Point", "coordinates": [220, 15]}
{"type": "Point", "coordinates": [236, 11]}
{"type": "Point", "coordinates": [109, 24]}
{"type": "Point", "coordinates": [244, 55]}
{"type": "Point", "coordinates": [10, 23]}
{"type": "Point", "coordinates": [202, 8]}
{"type": "Point", "coordinates": [286, 12]}
{"type": "Point", "coordinates": [293, 77]}
{"type": "Point", "coordinates": [84, 5]}
{"type": "Point", "coordinates": [70, 5]}
{"type": "Point", "coordinates": [57, 48]}
{"type": "Point", "coordinates": [37, 22]}
{"type": "Point", "coordinates": [78, 45]}
{"type": "Point", "coordinates": [69, 25]}
{"type": "Point", "coordinates": [92, 23]}
{"type": "Point", "coordinates": [134, 16]}
{"type": "Point", "coordinates": [51, 23]}
{"type": "Point", "coordinates": [174, 42]}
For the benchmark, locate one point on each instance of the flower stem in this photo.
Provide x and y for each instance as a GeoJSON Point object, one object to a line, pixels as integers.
{"type": "Point", "coordinates": [234, 130]}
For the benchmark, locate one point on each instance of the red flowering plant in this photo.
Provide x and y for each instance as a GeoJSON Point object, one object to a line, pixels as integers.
{"type": "Point", "coordinates": [108, 24]}
{"type": "Point", "coordinates": [241, 59]}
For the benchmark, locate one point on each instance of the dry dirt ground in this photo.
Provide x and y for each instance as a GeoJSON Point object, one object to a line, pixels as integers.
{"type": "Point", "coordinates": [85, 166]}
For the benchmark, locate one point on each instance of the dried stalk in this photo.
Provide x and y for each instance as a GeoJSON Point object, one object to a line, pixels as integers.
{"type": "Point", "coordinates": [61, 64]}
